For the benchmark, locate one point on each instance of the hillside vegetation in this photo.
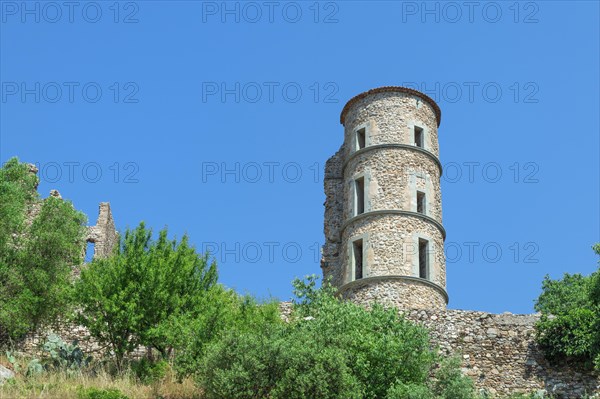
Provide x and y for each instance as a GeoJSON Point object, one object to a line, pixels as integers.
{"type": "Point", "coordinates": [204, 340]}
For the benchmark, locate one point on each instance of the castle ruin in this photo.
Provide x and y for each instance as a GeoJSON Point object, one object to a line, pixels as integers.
{"type": "Point", "coordinates": [384, 243]}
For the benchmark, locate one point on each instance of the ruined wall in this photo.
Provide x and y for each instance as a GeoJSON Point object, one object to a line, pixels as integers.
{"type": "Point", "coordinates": [498, 351]}
{"type": "Point", "coordinates": [334, 208]}
{"type": "Point", "coordinates": [103, 234]}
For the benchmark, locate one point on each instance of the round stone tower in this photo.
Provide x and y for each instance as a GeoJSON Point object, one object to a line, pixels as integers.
{"type": "Point", "coordinates": [383, 212]}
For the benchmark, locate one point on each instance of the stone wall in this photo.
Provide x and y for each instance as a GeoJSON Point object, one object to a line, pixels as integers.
{"type": "Point", "coordinates": [334, 208]}
{"type": "Point", "coordinates": [499, 353]}
{"type": "Point", "coordinates": [103, 234]}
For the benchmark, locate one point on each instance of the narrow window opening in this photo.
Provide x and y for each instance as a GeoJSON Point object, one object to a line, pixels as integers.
{"type": "Point", "coordinates": [359, 196]}
{"type": "Point", "coordinates": [357, 253]}
{"type": "Point", "coordinates": [89, 252]}
{"type": "Point", "coordinates": [421, 202]}
{"type": "Point", "coordinates": [419, 136]}
{"type": "Point", "coordinates": [423, 258]}
{"type": "Point", "coordinates": [360, 139]}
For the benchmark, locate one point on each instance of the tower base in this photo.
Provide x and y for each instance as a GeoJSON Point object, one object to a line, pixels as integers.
{"type": "Point", "coordinates": [402, 292]}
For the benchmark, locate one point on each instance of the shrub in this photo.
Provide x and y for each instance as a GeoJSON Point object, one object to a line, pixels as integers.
{"type": "Point", "coordinates": [570, 322]}
{"type": "Point", "coordinates": [409, 391]}
{"type": "Point", "coordinates": [136, 296]}
{"type": "Point", "coordinates": [149, 372]}
{"type": "Point", "coordinates": [330, 349]}
{"type": "Point", "coordinates": [450, 383]}
{"type": "Point", "coordinates": [276, 365]}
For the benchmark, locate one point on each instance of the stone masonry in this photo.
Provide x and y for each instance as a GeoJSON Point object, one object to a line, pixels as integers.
{"type": "Point", "coordinates": [499, 353]}
{"type": "Point", "coordinates": [104, 234]}
{"type": "Point", "coordinates": [384, 237]}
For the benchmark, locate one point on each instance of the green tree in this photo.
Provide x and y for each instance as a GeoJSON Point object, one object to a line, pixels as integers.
{"type": "Point", "coordinates": [136, 295]}
{"type": "Point", "coordinates": [36, 258]}
{"type": "Point", "coordinates": [570, 318]}
{"type": "Point", "coordinates": [329, 349]}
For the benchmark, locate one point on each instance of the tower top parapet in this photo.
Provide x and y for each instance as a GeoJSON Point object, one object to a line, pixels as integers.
{"type": "Point", "coordinates": [392, 89]}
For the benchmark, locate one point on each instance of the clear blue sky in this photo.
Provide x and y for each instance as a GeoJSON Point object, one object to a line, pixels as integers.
{"type": "Point", "coordinates": [171, 95]}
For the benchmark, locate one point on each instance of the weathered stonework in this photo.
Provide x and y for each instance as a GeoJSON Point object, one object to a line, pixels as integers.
{"type": "Point", "coordinates": [391, 249]}
{"type": "Point", "coordinates": [380, 151]}
{"type": "Point", "coordinates": [103, 234]}
{"type": "Point", "coordinates": [390, 290]}
{"type": "Point", "coordinates": [499, 353]}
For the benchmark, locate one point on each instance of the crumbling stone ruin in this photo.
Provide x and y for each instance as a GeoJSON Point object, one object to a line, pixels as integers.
{"type": "Point", "coordinates": [384, 242]}
{"type": "Point", "coordinates": [104, 234]}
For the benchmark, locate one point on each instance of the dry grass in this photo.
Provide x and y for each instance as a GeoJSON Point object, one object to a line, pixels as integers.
{"type": "Point", "coordinates": [59, 385]}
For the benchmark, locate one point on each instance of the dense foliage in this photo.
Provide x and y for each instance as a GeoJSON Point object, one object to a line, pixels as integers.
{"type": "Point", "coordinates": [329, 349]}
{"type": "Point", "coordinates": [569, 328]}
{"type": "Point", "coordinates": [36, 258]}
{"type": "Point", "coordinates": [223, 310]}
{"type": "Point", "coordinates": [140, 293]}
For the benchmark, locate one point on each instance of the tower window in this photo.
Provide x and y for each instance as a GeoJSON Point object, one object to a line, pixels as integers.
{"type": "Point", "coordinates": [421, 202]}
{"type": "Point", "coordinates": [419, 139]}
{"type": "Point", "coordinates": [359, 196]}
{"type": "Point", "coordinates": [423, 258]}
{"type": "Point", "coordinates": [357, 258]}
{"type": "Point", "coordinates": [360, 139]}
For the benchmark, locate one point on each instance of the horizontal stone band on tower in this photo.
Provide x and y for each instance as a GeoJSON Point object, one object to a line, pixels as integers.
{"type": "Point", "coordinates": [395, 212]}
{"type": "Point", "coordinates": [398, 146]}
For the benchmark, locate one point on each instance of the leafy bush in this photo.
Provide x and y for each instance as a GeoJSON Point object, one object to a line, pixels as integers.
{"type": "Point", "coordinates": [450, 383]}
{"type": "Point", "coordinates": [222, 310]}
{"type": "Point", "coordinates": [35, 259]}
{"type": "Point", "coordinates": [274, 365]}
{"type": "Point", "coordinates": [569, 328]}
{"type": "Point", "coordinates": [148, 371]}
{"type": "Point", "coordinates": [96, 393]}
{"type": "Point", "coordinates": [330, 349]}
{"type": "Point", "coordinates": [409, 391]}
{"type": "Point", "coordinates": [135, 296]}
